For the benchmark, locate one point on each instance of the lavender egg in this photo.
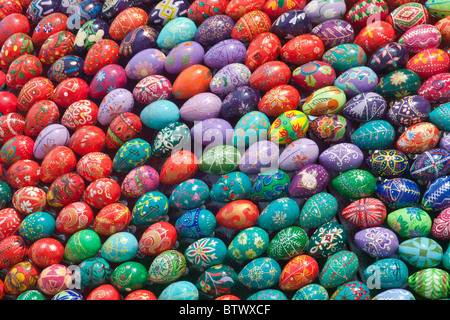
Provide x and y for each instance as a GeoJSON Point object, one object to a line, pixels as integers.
{"type": "Point", "coordinates": [214, 29]}
{"type": "Point", "coordinates": [201, 106]}
{"type": "Point", "coordinates": [224, 53]}
{"type": "Point", "coordinates": [377, 242]}
{"type": "Point", "coordinates": [50, 137]}
{"type": "Point", "coordinates": [309, 181]}
{"type": "Point", "coordinates": [342, 157]}
{"type": "Point", "coordinates": [298, 154]}
{"type": "Point", "coordinates": [260, 156]}
{"type": "Point", "coordinates": [184, 55]}
{"type": "Point", "coordinates": [334, 32]}
{"type": "Point", "coordinates": [145, 63]}
{"type": "Point", "coordinates": [357, 80]}
{"type": "Point", "coordinates": [229, 78]}
{"type": "Point", "coordinates": [324, 10]}
{"type": "Point", "coordinates": [213, 130]}
{"type": "Point", "coordinates": [115, 102]}
{"type": "Point", "coordinates": [408, 111]}
{"type": "Point", "coordinates": [445, 142]}
{"type": "Point", "coordinates": [291, 24]}
{"type": "Point", "coordinates": [365, 107]}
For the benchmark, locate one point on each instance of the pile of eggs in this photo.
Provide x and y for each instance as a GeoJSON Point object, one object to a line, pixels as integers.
{"type": "Point", "coordinates": [224, 149]}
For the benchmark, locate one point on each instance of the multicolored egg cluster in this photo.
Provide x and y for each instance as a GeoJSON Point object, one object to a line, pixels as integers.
{"type": "Point", "coordinates": [224, 150]}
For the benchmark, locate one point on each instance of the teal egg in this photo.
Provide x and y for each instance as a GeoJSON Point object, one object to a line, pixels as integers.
{"type": "Point", "coordinates": [94, 272]}
{"type": "Point", "coordinates": [260, 273]}
{"type": "Point", "coordinates": [440, 117]}
{"type": "Point", "coordinates": [268, 294]}
{"type": "Point", "coordinates": [248, 244]}
{"type": "Point", "coordinates": [328, 239]}
{"type": "Point", "coordinates": [373, 135]}
{"type": "Point", "coordinates": [250, 128]}
{"type": "Point", "coordinates": [68, 294]}
{"type": "Point", "coordinates": [206, 252]}
{"type": "Point", "coordinates": [170, 139]}
{"type": "Point", "coordinates": [387, 273]}
{"type": "Point", "coordinates": [132, 154]}
{"type": "Point", "coordinates": [395, 294]}
{"type": "Point", "coordinates": [446, 259]}
{"type": "Point", "coordinates": [5, 194]}
{"type": "Point", "coordinates": [232, 186]}
{"type": "Point", "coordinates": [189, 194]}
{"type": "Point", "coordinates": [339, 268]}
{"type": "Point", "coordinates": [398, 84]}
{"type": "Point", "coordinates": [279, 214]}
{"type": "Point", "coordinates": [270, 185]}
{"type": "Point", "coordinates": [352, 290]}
{"type": "Point", "coordinates": [345, 56]}
{"type": "Point", "coordinates": [159, 114]}
{"type": "Point", "coordinates": [421, 252]}
{"type": "Point", "coordinates": [317, 210]}
{"type": "Point", "coordinates": [176, 31]}
{"type": "Point", "coordinates": [311, 291]}
{"type": "Point", "coordinates": [150, 207]}
{"type": "Point", "coordinates": [37, 226]}
{"type": "Point", "coordinates": [196, 223]}
{"type": "Point", "coordinates": [180, 290]}
{"type": "Point", "coordinates": [119, 247]}
{"type": "Point", "coordinates": [288, 243]}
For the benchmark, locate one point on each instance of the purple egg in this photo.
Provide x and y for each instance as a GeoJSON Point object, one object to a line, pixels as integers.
{"type": "Point", "coordinates": [259, 157]}
{"type": "Point", "coordinates": [291, 24]}
{"type": "Point", "coordinates": [365, 107]}
{"type": "Point", "coordinates": [308, 181]}
{"type": "Point", "coordinates": [388, 58]}
{"type": "Point", "coordinates": [298, 154]}
{"type": "Point", "coordinates": [224, 53]}
{"type": "Point", "coordinates": [50, 137]}
{"type": "Point", "coordinates": [114, 103]}
{"type": "Point", "coordinates": [145, 63]}
{"type": "Point", "coordinates": [143, 37]}
{"type": "Point", "coordinates": [108, 78]}
{"type": "Point", "coordinates": [229, 78]}
{"type": "Point", "coordinates": [214, 29]}
{"type": "Point", "coordinates": [239, 102]}
{"type": "Point", "coordinates": [377, 242]}
{"type": "Point", "coordinates": [184, 55]}
{"type": "Point", "coordinates": [357, 80]}
{"type": "Point", "coordinates": [334, 32]}
{"type": "Point", "coordinates": [200, 107]}
{"type": "Point", "coordinates": [445, 142]}
{"type": "Point", "coordinates": [213, 130]}
{"type": "Point", "coordinates": [342, 157]}
{"type": "Point", "coordinates": [408, 111]}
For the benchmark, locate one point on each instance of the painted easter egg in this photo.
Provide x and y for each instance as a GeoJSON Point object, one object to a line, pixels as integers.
{"type": "Point", "coordinates": [232, 186]}
{"type": "Point", "coordinates": [298, 272]}
{"type": "Point", "coordinates": [327, 100]}
{"type": "Point", "coordinates": [435, 197]}
{"type": "Point", "coordinates": [270, 185]}
{"type": "Point", "coordinates": [68, 66]}
{"type": "Point", "coordinates": [373, 135]}
{"type": "Point", "coordinates": [56, 46]}
{"type": "Point", "coordinates": [196, 224]}
{"type": "Point", "coordinates": [131, 154]}
{"type": "Point", "coordinates": [160, 113]}
{"type": "Point", "coordinates": [11, 124]}
{"type": "Point", "coordinates": [288, 243]}
{"type": "Point", "coordinates": [389, 57]}
{"type": "Point", "coordinates": [69, 91]}
{"type": "Point", "coordinates": [341, 157]}
{"type": "Point", "coordinates": [288, 127]}
{"type": "Point", "coordinates": [152, 88]}
{"type": "Point", "coordinates": [317, 210]}
{"type": "Point", "coordinates": [364, 107]}
{"type": "Point", "coordinates": [180, 166]}
{"type": "Point", "coordinates": [357, 80]}
{"type": "Point", "coordinates": [23, 173]}
{"type": "Point", "coordinates": [212, 130]}
{"type": "Point", "coordinates": [259, 156]}
{"type": "Point", "coordinates": [435, 88]}
{"type": "Point", "coordinates": [20, 278]}
{"type": "Point", "coordinates": [16, 148]}
{"type": "Point", "coordinates": [291, 24]}
{"type": "Point", "coordinates": [189, 194]}
{"type": "Point", "coordinates": [250, 25]}
{"type": "Point", "coordinates": [430, 283]}
{"type": "Point", "coordinates": [440, 228]}
{"type": "Point", "coordinates": [29, 199]}
{"type": "Point", "coordinates": [418, 138]}
{"type": "Point", "coordinates": [213, 29]}
{"type": "Point", "coordinates": [339, 269]}
{"type": "Point", "coordinates": [114, 103]}
{"type": "Point", "coordinates": [353, 290]}
{"type": "Point", "coordinates": [225, 52]}
{"type": "Point", "coordinates": [74, 217]}
{"type": "Point", "coordinates": [101, 192]}
{"type": "Point", "coordinates": [87, 139]}
{"type": "Point", "coordinates": [334, 32]}
{"type": "Point", "coordinates": [391, 273]}
{"type": "Point", "coordinates": [308, 181]}
{"type": "Point", "coordinates": [248, 244]}
{"type": "Point", "coordinates": [238, 215]}
{"type": "Point", "coordinates": [345, 56]}
{"type": "Point", "coordinates": [278, 100]}
{"type": "Point", "coordinates": [139, 181]}
{"type": "Point", "coordinates": [311, 291]}
{"type": "Point", "coordinates": [398, 192]}
{"type": "Point", "coordinates": [58, 161]}
{"type": "Point", "coordinates": [438, 117]}
{"type": "Point", "coordinates": [250, 128]}
{"type": "Point", "coordinates": [326, 240]}
{"type": "Point", "coordinates": [37, 226]}
{"type": "Point", "coordinates": [149, 208]}
{"type": "Point", "coordinates": [365, 212]}
{"type": "Point", "coordinates": [377, 241]}
{"type": "Point", "coordinates": [268, 269]}
{"type": "Point", "coordinates": [217, 280]}
{"type": "Point", "coordinates": [298, 154]}
{"type": "Point", "coordinates": [14, 249]}
{"type": "Point", "coordinates": [22, 69]}
{"type": "Point", "coordinates": [48, 25]}
{"type": "Point", "coordinates": [429, 62]}
{"type": "Point", "coordinates": [119, 247]}
{"type": "Point", "coordinates": [180, 290]}
{"type": "Point", "coordinates": [11, 218]}
{"type": "Point", "coordinates": [279, 214]}
{"type": "Point", "coordinates": [410, 222]}
{"type": "Point", "coordinates": [126, 21]}
{"type": "Point", "coordinates": [94, 165]}
{"type": "Point", "coordinates": [102, 53]}
{"type": "Point", "coordinates": [312, 44]}
{"type": "Point", "coordinates": [374, 35]}
{"type": "Point", "coordinates": [82, 245]}
{"type": "Point", "coordinates": [90, 33]}
{"type": "Point", "coordinates": [183, 55]}
{"type": "Point", "coordinates": [34, 90]}
{"type": "Point", "coordinates": [157, 238]}
{"type": "Point", "coordinates": [229, 77]}
{"type": "Point", "coordinates": [407, 16]}
{"type": "Point", "coordinates": [107, 79]}
{"type": "Point", "coordinates": [65, 189]}
{"type": "Point", "coordinates": [206, 252]}
{"type": "Point", "coordinates": [220, 159]}
{"type": "Point", "coordinates": [263, 48]}
{"type": "Point", "coordinates": [408, 111]}
{"type": "Point", "coordinates": [15, 46]}
{"type": "Point", "coordinates": [175, 32]}
{"type": "Point", "coordinates": [193, 80]}
{"type": "Point", "coordinates": [314, 75]}
{"type": "Point", "coordinates": [389, 163]}
{"type": "Point", "coordinates": [141, 38]}
{"type": "Point", "coordinates": [167, 267]}
{"type": "Point", "coordinates": [270, 75]}
{"type": "Point", "coordinates": [360, 13]}
{"type": "Point", "coordinates": [331, 128]}
{"type": "Point", "coordinates": [124, 127]}
{"type": "Point", "coordinates": [398, 84]}
{"type": "Point", "coordinates": [394, 294]}
{"type": "Point", "coordinates": [355, 184]}
{"type": "Point", "coordinates": [166, 10]}
{"type": "Point", "coordinates": [431, 164]}
{"type": "Point", "coordinates": [420, 37]}
{"type": "Point", "coordinates": [421, 252]}
{"type": "Point", "coordinates": [79, 114]}
{"type": "Point", "coordinates": [170, 139]}
{"type": "Point", "coordinates": [37, 9]}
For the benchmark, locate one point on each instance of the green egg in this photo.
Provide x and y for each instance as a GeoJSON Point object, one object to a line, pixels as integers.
{"type": "Point", "coordinates": [82, 245]}
{"type": "Point", "coordinates": [355, 184]}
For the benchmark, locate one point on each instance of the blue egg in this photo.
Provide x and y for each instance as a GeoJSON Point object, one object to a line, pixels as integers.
{"type": "Point", "coordinates": [398, 193]}
{"type": "Point", "coordinates": [206, 252]}
{"type": "Point", "coordinates": [180, 290]}
{"type": "Point", "coordinates": [387, 273]}
{"type": "Point", "coordinates": [311, 291]}
{"type": "Point", "coordinates": [268, 273]}
{"type": "Point", "coordinates": [189, 194]}
{"type": "Point", "coordinates": [279, 214]}
{"type": "Point", "coordinates": [132, 154]}
{"type": "Point", "coordinates": [196, 224]}
{"type": "Point", "coordinates": [232, 186]}
{"type": "Point", "coordinates": [149, 208]}
{"type": "Point", "coordinates": [176, 31]}
{"type": "Point", "coordinates": [268, 294]}
{"type": "Point", "coordinates": [119, 247]}
{"type": "Point", "coordinates": [160, 114]}
{"type": "Point", "coordinates": [69, 66]}
{"type": "Point", "coordinates": [431, 164]}
{"type": "Point", "coordinates": [395, 294]}
{"type": "Point", "coordinates": [421, 252]}
{"type": "Point", "coordinates": [437, 195]}
{"type": "Point", "coordinates": [270, 185]}
{"type": "Point", "coordinates": [250, 128]}
{"type": "Point", "coordinates": [373, 135]}
{"type": "Point", "coordinates": [68, 295]}
{"type": "Point", "coordinates": [37, 225]}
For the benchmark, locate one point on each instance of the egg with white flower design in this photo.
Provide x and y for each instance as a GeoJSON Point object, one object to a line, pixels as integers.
{"type": "Point", "coordinates": [90, 33]}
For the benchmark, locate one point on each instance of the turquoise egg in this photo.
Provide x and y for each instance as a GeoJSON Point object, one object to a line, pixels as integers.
{"type": "Point", "coordinates": [387, 273]}
{"type": "Point", "coordinates": [189, 194]}
{"type": "Point", "coordinates": [395, 294]}
{"type": "Point", "coordinates": [232, 186]}
{"type": "Point", "coordinates": [176, 31]}
{"type": "Point", "coordinates": [270, 185]}
{"type": "Point", "coordinates": [196, 224]}
{"type": "Point", "coordinates": [260, 273]}
{"type": "Point", "coordinates": [5, 194]}
{"type": "Point", "coordinates": [159, 114]}
{"type": "Point", "coordinates": [94, 272]}
{"type": "Point", "coordinates": [352, 290]}
{"type": "Point", "coordinates": [206, 252]}
{"type": "Point", "coordinates": [119, 247]}
{"type": "Point", "coordinates": [180, 290]}
{"type": "Point", "coordinates": [398, 193]}
{"type": "Point", "coordinates": [248, 244]}
{"type": "Point", "coordinates": [317, 210]}
{"type": "Point", "coordinates": [440, 117]}
{"type": "Point", "coordinates": [437, 195]}
{"type": "Point", "coordinates": [68, 294]}
{"type": "Point", "coordinates": [345, 56]}
{"type": "Point", "coordinates": [37, 225]}
{"type": "Point", "coordinates": [150, 207]}
{"type": "Point", "coordinates": [373, 135]}
{"type": "Point", "coordinates": [421, 252]}
{"type": "Point", "coordinates": [268, 294]}
{"type": "Point", "coordinates": [279, 214]}
{"type": "Point", "coordinates": [339, 268]}
{"type": "Point", "coordinates": [446, 259]}
{"type": "Point", "coordinates": [311, 291]}
{"type": "Point", "coordinates": [250, 128]}
{"type": "Point", "coordinates": [328, 239]}
{"type": "Point", "coordinates": [132, 154]}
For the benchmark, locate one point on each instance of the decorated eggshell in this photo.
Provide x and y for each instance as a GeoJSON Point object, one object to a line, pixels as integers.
{"type": "Point", "coordinates": [430, 283]}
{"type": "Point", "coordinates": [217, 280]}
{"type": "Point", "coordinates": [377, 241]}
{"type": "Point", "coordinates": [317, 210]}
{"type": "Point", "coordinates": [408, 111]}
{"type": "Point", "coordinates": [367, 81]}
{"type": "Point", "coordinates": [29, 199]}
{"type": "Point", "coordinates": [175, 32]}
{"type": "Point", "coordinates": [212, 130]}
{"type": "Point", "coordinates": [124, 127]}
{"type": "Point", "coordinates": [69, 91]}
{"type": "Point", "coordinates": [201, 106]}
{"type": "Point", "coordinates": [94, 165]}
{"type": "Point", "coordinates": [320, 11]}
{"type": "Point", "coordinates": [149, 208]}
{"type": "Point", "coordinates": [440, 228]}
{"type": "Point", "coordinates": [263, 48]}
{"type": "Point", "coordinates": [410, 222]}
{"type": "Point", "coordinates": [79, 114]}
{"type": "Point", "coordinates": [312, 45]}
{"type": "Point", "coordinates": [352, 290]}
{"type": "Point", "coordinates": [82, 245]}
{"type": "Point", "coordinates": [388, 163]}
{"type": "Point", "coordinates": [87, 139]}
{"type": "Point", "coordinates": [167, 267]}
{"type": "Point", "coordinates": [230, 187]}
{"type": "Point", "coordinates": [331, 128]}
{"type": "Point", "coordinates": [11, 124]}
{"type": "Point", "coordinates": [270, 75]}
{"type": "Point", "coordinates": [200, 11]}
{"type": "Point", "coordinates": [37, 226]}
{"type": "Point", "coordinates": [268, 271]}
{"type": "Point", "coordinates": [398, 192]}
{"type": "Point", "coordinates": [278, 100]}
{"type": "Point", "coordinates": [260, 156]}
{"type": "Point", "coordinates": [159, 237]}
{"type": "Point", "coordinates": [107, 79]}
{"type": "Point", "coordinates": [139, 181]}
{"type": "Point", "coordinates": [68, 66]}
{"type": "Point", "coordinates": [429, 62]}
{"type": "Point", "coordinates": [114, 103]}
{"type": "Point", "coordinates": [311, 291]}
{"type": "Point", "coordinates": [58, 161]}
{"type": "Point", "coordinates": [364, 11]}
{"type": "Point", "coordinates": [439, 117]}
{"type": "Point", "coordinates": [334, 32]}
{"type": "Point", "coordinates": [48, 25]}
{"type": "Point", "coordinates": [166, 10]}
{"type": "Point", "coordinates": [417, 15]}
{"type": "Point", "coordinates": [38, 9]}
{"type": "Point", "coordinates": [279, 214]}
{"type": "Point", "coordinates": [339, 269]}
{"type": "Point", "coordinates": [90, 33]}
{"type": "Point", "coordinates": [248, 244]}
{"type": "Point", "coordinates": [206, 252]}
{"type": "Point", "coordinates": [435, 197]}
{"type": "Point", "coordinates": [119, 247]}
{"type": "Point", "coordinates": [291, 24]}
{"type": "Point", "coordinates": [298, 272]}
{"type": "Point", "coordinates": [365, 212]}
{"type": "Point", "coordinates": [159, 114]}
{"type": "Point", "coordinates": [17, 148]}
{"type": "Point", "coordinates": [327, 239]}
{"type": "Point", "coordinates": [270, 185]}
{"type": "Point", "coordinates": [104, 292]}
{"type": "Point", "coordinates": [229, 77]}
{"type": "Point", "coordinates": [145, 63]}
{"type": "Point", "coordinates": [65, 189]}
{"type": "Point", "coordinates": [418, 138]}
{"type": "Point", "coordinates": [180, 290]}
{"type": "Point", "coordinates": [126, 21]}
{"type": "Point", "coordinates": [22, 44]}
{"type": "Point", "coordinates": [220, 159]}
{"type": "Point", "coordinates": [421, 252]}
{"type": "Point", "coordinates": [23, 173]}
{"type": "Point", "coordinates": [101, 193]}
{"type": "Point", "coordinates": [102, 53]}
{"type": "Point", "coordinates": [431, 164]}
{"type": "Point", "coordinates": [355, 184]}
{"type": "Point", "coordinates": [40, 115]}
{"type": "Point", "coordinates": [14, 249]}
{"type": "Point", "coordinates": [11, 219]}
{"type": "Point", "coordinates": [45, 252]}
{"type": "Point", "coordinates": [152, 88]}
{"type": "Point", "coordinates": [288, 243]}
{"type": "Point", "coordinates": [213, 29]}
{"type": "Point", "coordinates": [182, 56]}
{"type": "Point", "coordinates": [225, 52]}
{"type": "Point", "coordinates": [131, 154]}
{"type": "Point", "coordinates": [250, 128]}
{"type": "Point", "coordinates": [327, 100]}
{"type": "Point", "coordinates": [50, 137]}
{"type": "Point", "coordinates": [345, 56]}
{"type": "Point", "coordinates": [20, 278]}
{"type": "Point", "coordinates": [314, 75]}
{"type": "Point", "coordinates": [34, 90]}
{"type": "Point", "coordinates": [394, 294]}
{"type": "Point", "coordinates": [373, 135]}
{"type": "Point", "coordinates": [56, 46]}
{"type": "Point", "coordinates": [238, 215]}
{"type": "Point", "coordinates": [309, 180]}
{"type": "Point", "coordinates": [390, 57]}
{"type": "Point", "coordinates": [240, 101]}
{"type": "Point", "coordinates": [420, 37]}
{"type": "Point", "coordinates": [435, 88]}
{"type": "Point", "coordinates": [74, 217]}
{"type": "Point", "coordinates": [180, 166]}
{"type": "Point", "coordinates": [141, 38]}
{"type": "Point", "coordinates": [342, 157]}
{"type": "Point", "coordinates": [236, 9]}
{"type": "Point", "coordinates": [21, 70]}
{"type": "Point", "coordinates": [298, 154]}
{"type": "Point", "coordinates": [375, 35]}
{"type": "Point", "coordinates": [170, 139]}
{"type": "Point", "coordinates": [250, 25]}
{"type": "Point", "coordinates": [196, 224]}
{"type": "Point", "coordinates": [189, 194]}
{"type": "Point", "coordinates": [141, 294]}
{"type": "Point", "coordinates": [268, 294]}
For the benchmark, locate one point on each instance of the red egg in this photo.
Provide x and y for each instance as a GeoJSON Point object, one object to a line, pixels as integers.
{"type": "Point", "coordinates": [23, 69]}
{"type": "Point", "coordinates": [45, 252]}
{"type": "Point", "coordinates": [228, 297]}
{"type": "Point", "coordinates": [104, 292]}
{"type": "Point", "coordinates": [270, 75]}
{"type": "Point", "coordinates": [94, 165]}
{"type": "Point", "coordinates": [152, 88]}
{"type": "Point", "coordinates": [65, 189]}
{"type": "Point", "coordinates": [443, 26]}
{"type": "Point", "coordinates": [15, 46]}
{"type": "Point", "coordinates": [102, 192]}
{"type": "Point", "coordinates": [418, 138]}
{"type": "Point", "coordinates": [102, 53]}
{"type": "Point", "coordinates": [157, 238]}
{"type": "Point", "coordinates": [16, 148]}
{"type": "Point", "coordinates": [8, 100]}
{"type": "Point", "coordinates": [10, 220]}
{"type": "Point", "coordinates": [21, 277]}
{"type": "Point", "coordinates": [250, 25]}
{"type": "Point", "coordinates": [126, 21]}
{"type": "Point", "coordinates": [238, 8]}
{"type": "Point", "coordinates": [11, 125]}
{"type": "Point", "coordinates": [141, 294]}
{"type": "Point", "coordinates": [79, 114]}
{"type": "Point", "coordinates": [278, 100]}
{"type": "Point", "coordinates": [374, 36]}
{"type": "Point", "coordinates": [50, 24]}
{"type": "Point", "coordinates": [74, 217]}
{"type": "Point", "coordinates": [365, 213]}
{"type": "Point", "coordinates": [298, 272]}
{"type": "Point", "coordinates": [9, 7]}
{"type": "Point", "coordinates": [13, 23]}
{"type": "Point", "coordinates": [42, 114]}
{"type": "Point", "coordinates": [30, 199]}
{"type": "Point", "coordinates": [111, 219]}
{"type": "Point", "coordinates": [13, 249]}
{"type": "Point", "coordinates": [429, 62]}
{"type": "Point", "coordinates": [179, 167]}
{"type": "Point", "coordinates": [238, 215]}
{"type": "Point", "coordinates": [263, 48]}
{"type": "Point", "coordinates": [58, 161]}
{"type": "Point", "coordinates": [23, 173]}
{"type": "Point", "coordinates": [193, 80]}
{"type": "Point", "coordinates": [123, 128]}
{"type": "Point", "coordinates": [108, 78]}
{"type": "Point", "coordinates": [56, 46]}
{"type": "Point", "coordinates": [200, 10]}
{"type": "Point", "coordinates": [364, 12]}
{"type": "Point", "coordinates": [314, 75]}
{"type": "Point", "coordinates": [275, 8]}
{"type": "Point", "coordinates": [69, 91]}
{"type": "Point", "coordinates": [87, 139]}
{"type": "Point", "coordinates": [34, 90]}
{"type": "Point", "coordinates": [302, 49]}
